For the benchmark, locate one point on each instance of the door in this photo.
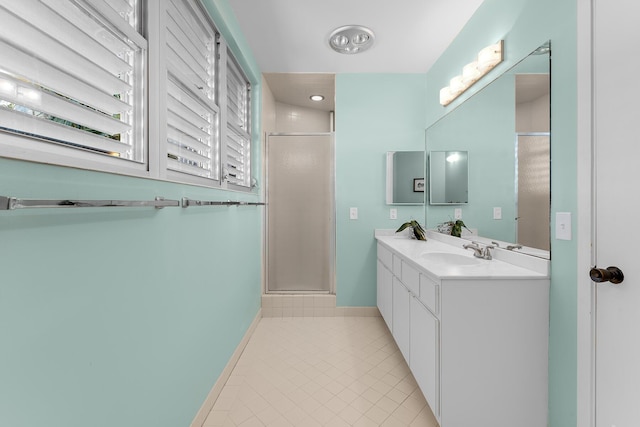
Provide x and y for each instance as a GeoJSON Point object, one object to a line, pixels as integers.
{"type": "Point", "coordinates": [300, 213]}
{"type": "Point", "coordinates": [617, 204]}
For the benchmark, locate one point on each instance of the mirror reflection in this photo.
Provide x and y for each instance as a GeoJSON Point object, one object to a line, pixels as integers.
{"type": "Point", "coordinates": [505, 127]}
{"type": "Point", "coordinates": [405, 178]}
{"type": "Point", "coordinates": [448, 177]}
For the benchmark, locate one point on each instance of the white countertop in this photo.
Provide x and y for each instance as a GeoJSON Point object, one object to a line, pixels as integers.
{"type": "Point", "coordinates": [484, 269]}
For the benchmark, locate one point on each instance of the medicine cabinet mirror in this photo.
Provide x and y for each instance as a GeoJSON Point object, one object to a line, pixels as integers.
{"type": "Point", "coordinates": [405, 178]}
{"type": "Point", "coordinates": [448, 177]}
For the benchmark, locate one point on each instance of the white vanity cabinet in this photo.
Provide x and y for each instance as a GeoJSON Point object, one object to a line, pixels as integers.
{"type": "Point", "coordinates": [425, 330]}
{"type": "Point", "coordinates": [401, 317]}
{"type": "Point", "coordinates": [384, 285]}
{"type": "Point", "coordinates": [475, 338]}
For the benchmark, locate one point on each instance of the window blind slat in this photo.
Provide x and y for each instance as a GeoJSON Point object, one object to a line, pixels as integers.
{"type": "Point", "coordinates": [50, 50]}
{"type": "Point", "coordinates": [177, 137]}
{"type": "Point", "coordinates": [54, 132]}
{"type": "Point", "coordinates": [186, 153]}
{"type": "Point", "coordinates": [125, 24]}
{"type": "Point", "coordinates": [62, 108]}
{"type": "Point", "coordinates": [187, 18]}
{"type": "Point", "coordinates": [191, 45]}
{"type": "Point", "coordinates": [193, 101]}
{"type": "Point", "coordinates": [181, 70]}
{"type": "Point", "coordinates": [186, 113]}
{"type": "Point", "coordinates": [80, 19]}
{"type": "Point", "coordinates": [191, 65]}
{"type": "Point", "coordinates": [48, 21]}
{"type": "Point", "coordinates": [121, 6]}
{"type": "Point", "coordinates": [180, 165]}
{"type": "Point", "coordinates": [186, 127]}
{"type": "Point", "coordinates": [17, 62]}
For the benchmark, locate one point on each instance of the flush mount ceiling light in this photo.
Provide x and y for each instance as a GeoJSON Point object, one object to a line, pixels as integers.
{"type": "Point", "coordinates": [316, 98]}
{"type": "Point", "coordinates": [351, 39]}
{"type": "Point", "coordinates": [486, 60]}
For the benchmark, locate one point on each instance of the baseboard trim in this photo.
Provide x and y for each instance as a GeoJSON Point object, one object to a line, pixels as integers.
{"type": "Point", "coordinates": [206, 407]}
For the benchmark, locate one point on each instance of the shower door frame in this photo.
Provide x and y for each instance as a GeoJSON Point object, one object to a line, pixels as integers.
{"type": "Point", "coordinates": [332, 224]}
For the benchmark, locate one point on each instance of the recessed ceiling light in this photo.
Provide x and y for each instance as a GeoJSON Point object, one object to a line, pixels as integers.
{"type": "Point", "coordinates": [351, 39]}
{"type": "Point", "coordinates": [316, 98]}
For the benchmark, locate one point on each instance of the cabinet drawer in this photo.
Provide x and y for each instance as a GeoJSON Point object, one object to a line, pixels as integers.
{"type": "Point", "coordinates": [397, 266]}
{"type": "Point", "coordinates": [411, 278]}
{"type": "Point", "coordinates": [429, 294]}
{"type": "Point", "coordinates": [385, 256]}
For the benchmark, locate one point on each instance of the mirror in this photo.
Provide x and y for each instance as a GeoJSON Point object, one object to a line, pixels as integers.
{"type": "Point", "coordinates": [448, 177]}
{"type": "Point", "coordinates": [405, 178]}
{"type": "Point", "coordinates": [505, 127]}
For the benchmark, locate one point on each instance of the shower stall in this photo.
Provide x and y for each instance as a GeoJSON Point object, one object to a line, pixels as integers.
{"type": "Point", "coordinates": [300, 238]}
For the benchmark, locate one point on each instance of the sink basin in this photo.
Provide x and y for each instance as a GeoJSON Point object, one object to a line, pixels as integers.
{"type": "Point", "coordinates": [450, 259]}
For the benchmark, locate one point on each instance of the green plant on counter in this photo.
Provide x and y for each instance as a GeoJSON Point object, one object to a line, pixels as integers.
{"type": "Point", "coordinates": [456, 227]}
{"type": "Point", "coordinates": [418, 231]}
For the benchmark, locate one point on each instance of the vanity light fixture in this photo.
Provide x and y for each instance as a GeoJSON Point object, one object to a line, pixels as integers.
{"type": "Point", "coordinates": [487, 59]}
{"type": "Point", "coordinates": [351, 39]}
{"type": "Point", "coordinates": [316, 98]}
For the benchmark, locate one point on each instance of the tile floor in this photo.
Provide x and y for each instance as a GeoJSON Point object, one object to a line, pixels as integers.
{"type": "Point", "coordinates": [321, 371]}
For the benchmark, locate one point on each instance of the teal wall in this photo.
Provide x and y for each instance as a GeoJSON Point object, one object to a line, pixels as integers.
{"type": "Point", "coordinates": [524, 25]}
{"type": "Point", "coordinates": [120, 317]}
{"type": "Point", "coordinates": [375, 113]}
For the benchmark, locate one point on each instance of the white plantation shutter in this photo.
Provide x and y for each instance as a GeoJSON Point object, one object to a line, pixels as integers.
{"type": "Point", "coordinates": [71, 73]}
{"type": "Point", "coordinates": [238, 141]}
{"type": "Point", "coordinates": [192, 113]}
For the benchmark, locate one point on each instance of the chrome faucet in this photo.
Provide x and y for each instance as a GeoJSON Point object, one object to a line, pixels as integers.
{"type": "Point", "coordinates": [478, 251]}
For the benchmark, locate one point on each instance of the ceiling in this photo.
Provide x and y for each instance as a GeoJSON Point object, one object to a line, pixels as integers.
{"type": "Point", "coordinates": [291, 36]}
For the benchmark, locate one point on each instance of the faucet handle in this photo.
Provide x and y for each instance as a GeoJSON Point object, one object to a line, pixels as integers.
{"type": "Point", "coordinates": [486, 253]}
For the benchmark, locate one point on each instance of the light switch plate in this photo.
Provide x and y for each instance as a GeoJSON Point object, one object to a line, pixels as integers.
{"type": "Point", "coordinates": [563, 225]}
{"type": "Point", "coordinates": [353, 213]}
{"type": "Point", "coordinates": [457, 213]}
{"type": "Point", "coordinates": [393, 213]}
{"type": "Point", "coordinates": [497, 213]}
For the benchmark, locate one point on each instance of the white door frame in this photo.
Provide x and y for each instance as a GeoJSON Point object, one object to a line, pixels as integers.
{"type": "Point", "coordinates": [585, 218]}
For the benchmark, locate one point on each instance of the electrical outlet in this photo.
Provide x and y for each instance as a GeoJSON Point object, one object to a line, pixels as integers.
{"type": "Point", "coordinates": [353, 213]}
{"type": "Point", "coordinates": [497, 213]}
{"type": "Point", "coordinates": [393, 213]}
{"type": "Point", "coordinates": [457, 213]}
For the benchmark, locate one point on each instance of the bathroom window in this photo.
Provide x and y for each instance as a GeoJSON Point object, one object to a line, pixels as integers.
{"type": "Point", "coordinates": [238, 138]}
{"type": "Point", "coordinates": [192, 112]}
{"type": "Point", "coordinates": [72, 83]}
{"type": "Point", "coordinates": [137, 87]}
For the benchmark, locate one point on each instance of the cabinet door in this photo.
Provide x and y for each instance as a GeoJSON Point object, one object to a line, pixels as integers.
{"type": "Point", "coordinates": [385, 293]}
{"type": "Point", "coordinates": [401, 317]}
{"type": "Point", "coordinates": [424, 349]}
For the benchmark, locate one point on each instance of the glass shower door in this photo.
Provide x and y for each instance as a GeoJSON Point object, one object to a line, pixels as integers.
{"type": "Point", "coordinates": [300, 213]}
